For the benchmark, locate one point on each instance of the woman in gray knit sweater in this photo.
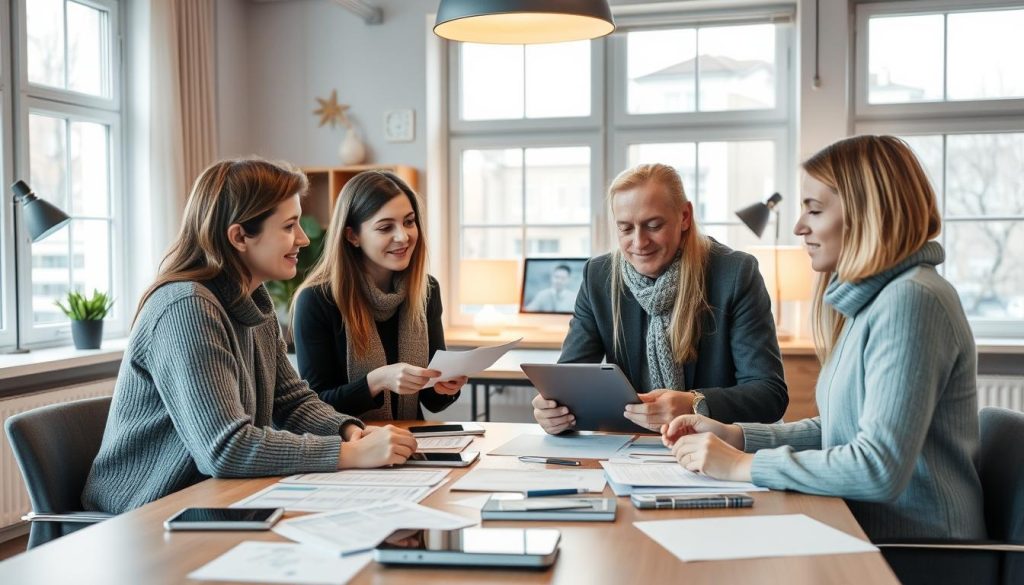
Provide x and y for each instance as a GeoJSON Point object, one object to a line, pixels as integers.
{"type": "Point", "coordinates": [898, 425]}
{"type": "Point", "coordinates": [205, 387]}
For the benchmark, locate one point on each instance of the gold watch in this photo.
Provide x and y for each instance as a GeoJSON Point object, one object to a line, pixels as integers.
{"type": "Point", "coordinates": [700, 404]}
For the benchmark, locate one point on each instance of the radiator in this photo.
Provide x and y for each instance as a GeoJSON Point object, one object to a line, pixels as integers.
{"type": "Point", "coordinates": [14, 501]}
{"type": "Point", "coordinates": [1004, 391]}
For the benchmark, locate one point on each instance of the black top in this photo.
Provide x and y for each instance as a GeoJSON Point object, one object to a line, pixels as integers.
{"type": "Point", "coordinates": [738, 365]}
{"type": "Point", "coordinates": [321, 350]}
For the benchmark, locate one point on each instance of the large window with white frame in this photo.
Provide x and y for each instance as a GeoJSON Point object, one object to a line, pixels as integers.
{"type": "Point", "coordinates": [62, 128]}
{"type": "Point", "coordinates": [536, 133]}
{"type": "Point", "coordinates": [957, 97]}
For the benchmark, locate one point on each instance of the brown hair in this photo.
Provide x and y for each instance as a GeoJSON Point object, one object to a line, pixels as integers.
{"type": "Point", "coordinates": [691, 299]}
{"type": "Point", "coordinates": [243, 191]}
{"type": "Point", "coordinates": [889, 212]}
{"type": "Point", "coordinates": [340, 268]}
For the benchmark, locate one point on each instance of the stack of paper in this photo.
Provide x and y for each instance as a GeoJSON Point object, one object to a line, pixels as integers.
{"type": "Point", "coordinates": [281, 562]}
{"type": "Point", "coordinates": [393, 477]}
{"type": "Point", "coordinates": [749, 537]}
{"type": "Point", "coordinates": [361, 529]}
{"type": "Point", "coordinates": [517, 480]}
{"type": "Point", "coordinates": [645, 478]}
{"type": "Point", "coordinates": [442, 444]}
{"type": "Point", "coordinates": [322, 498]}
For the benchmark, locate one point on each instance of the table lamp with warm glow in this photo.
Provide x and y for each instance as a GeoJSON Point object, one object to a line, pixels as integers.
{"type": "Point", "coordinates": [489, 283]}
{"type": "Point", "coordinates": [788, 276]}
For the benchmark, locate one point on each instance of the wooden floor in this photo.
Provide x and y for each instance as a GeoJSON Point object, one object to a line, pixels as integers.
{"type": "Point", "coordinates": [12, 547]}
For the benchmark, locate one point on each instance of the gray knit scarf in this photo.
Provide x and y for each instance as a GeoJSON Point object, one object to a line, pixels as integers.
{"type": "Point", "coordinates": [412, 347]}
{"type": "Point", "coordinates": [657, 298]}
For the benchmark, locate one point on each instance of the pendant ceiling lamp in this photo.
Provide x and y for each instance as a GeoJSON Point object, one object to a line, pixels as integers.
{"type": "Point", "coordinates": [519, 22]}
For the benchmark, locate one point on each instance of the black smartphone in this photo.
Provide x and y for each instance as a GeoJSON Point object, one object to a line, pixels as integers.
{"type": "Point", "coordinates": [463, 459]}
{"type": "Point", "coordinates": [224, 519]}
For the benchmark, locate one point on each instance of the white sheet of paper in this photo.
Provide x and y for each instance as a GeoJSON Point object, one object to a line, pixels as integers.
{"type": "Point", "coordinates": [360, 529]}
{"type": "Point", "coordinates": [572, 447]}
{"type": "Point", "coordinates": [323, 498]}
{"type": "Point", "coordinates": [519, 480]}
{"type": "Point", "coordinates": [748, 537]}
{"type": "Point", "coordinates": [427, 444]}
{"type": "Point", "coordinates": [281, 562]}
{"type": "Point", "coordinates": [452, 364]}
{"type": "Point", "coordinates": [385, 477]}
{"type": "Point", "coordinates": [477, 502]}
{"type": "Point", "coordinates": [666, 475]}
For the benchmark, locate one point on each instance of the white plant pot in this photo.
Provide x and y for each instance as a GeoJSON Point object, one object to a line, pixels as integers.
{"type": "Point", "coordinates": [352, 150]}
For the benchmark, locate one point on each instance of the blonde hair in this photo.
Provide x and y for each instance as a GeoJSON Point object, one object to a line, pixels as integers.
{"type": "Point", "coordinates": [243, 191]}
{"type": "Point", "coordinates": [889, 211]}
{"type": "Point", "coordinates": [685, 323]}
{"type": "Point", "coordinates": [340, 269]}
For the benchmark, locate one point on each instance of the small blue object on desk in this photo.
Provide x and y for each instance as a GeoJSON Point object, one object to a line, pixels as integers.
{"type": "Point", "coordinates": [558, 492]}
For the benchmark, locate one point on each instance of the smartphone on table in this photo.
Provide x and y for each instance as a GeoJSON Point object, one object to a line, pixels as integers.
{"type": "Point", "coordinates": [462, 459]}
{"type": "Point", "coordinates": [447, 430]}
{"type": "Point", "coordinates": [471, 547]}
{"type": "Point", "coordinates": [224, 519]}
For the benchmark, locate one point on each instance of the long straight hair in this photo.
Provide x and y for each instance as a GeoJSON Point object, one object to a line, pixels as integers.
{"type": "Point", "coordinates": [341, 268]}
{"type": "Point", "coordinates": [685, 323]}
{"type": "Point", "coordinates": [889, 211]}
{"type": "Point", "coordinates": [244, 191]}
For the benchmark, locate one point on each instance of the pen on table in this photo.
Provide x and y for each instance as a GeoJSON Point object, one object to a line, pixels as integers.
{"type": "Point", "coordinates": [550, 460]}
{"type": "Point", "coordinates": [558, 492]}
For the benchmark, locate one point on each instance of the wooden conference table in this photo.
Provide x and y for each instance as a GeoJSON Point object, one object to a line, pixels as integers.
{"type": "Point", "coordinates": [133, 547]}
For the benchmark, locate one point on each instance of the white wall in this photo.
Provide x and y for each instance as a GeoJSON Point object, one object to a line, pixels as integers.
{"type": "Point", "coordinates": [232, 74]}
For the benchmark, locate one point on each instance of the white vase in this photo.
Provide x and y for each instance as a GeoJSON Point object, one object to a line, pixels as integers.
{"type": "Point", "coordinates": [352, 150]}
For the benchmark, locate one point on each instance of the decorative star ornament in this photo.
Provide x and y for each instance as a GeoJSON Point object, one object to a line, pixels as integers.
{"type": "Point", "coordinates": [331, 111]}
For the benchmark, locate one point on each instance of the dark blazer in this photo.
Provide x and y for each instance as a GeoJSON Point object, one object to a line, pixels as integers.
{"type": "Point", "coordinates": [738, 365]}
{"type": "Point", "coordinates": [321, 350]}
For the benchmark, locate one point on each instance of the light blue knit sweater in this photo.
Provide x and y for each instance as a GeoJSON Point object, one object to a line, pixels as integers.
{"type": "Point", "coordinates": [898, 427]}
{"type": "Point", "coordinates": [206, 390]}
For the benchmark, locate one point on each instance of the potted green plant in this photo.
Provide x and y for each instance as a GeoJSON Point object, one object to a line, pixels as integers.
{"type": "Point", "coordinates": [86, 316]}
{"type": "Point", "coordinates": [282, 291]}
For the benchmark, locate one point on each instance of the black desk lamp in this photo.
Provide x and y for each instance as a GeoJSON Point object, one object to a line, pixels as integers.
{"type": "Point", "coordinates": [42, 218]}
{"type": "Point", "coordinates": [756, 218]}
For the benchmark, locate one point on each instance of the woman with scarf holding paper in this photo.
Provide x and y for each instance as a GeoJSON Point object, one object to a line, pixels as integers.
{"type": "Point", "coordinates": [686, 318]}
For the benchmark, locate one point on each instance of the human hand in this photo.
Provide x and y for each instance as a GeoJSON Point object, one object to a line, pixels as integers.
{"type": "Point", "coordinates": [551, 416]}
{"type": "Point", "coordinates": [400, 378]}
{"type": "Point", "coordinates": [377, 447]}
{"type": "Point", "coordinates": [708, 454]}
{"type": "Point", "coordinates": [659, 407]}
{"type": "Point", "coordinates": [451, 387]}
{"type": "Point", "coordinates": [692, 424]}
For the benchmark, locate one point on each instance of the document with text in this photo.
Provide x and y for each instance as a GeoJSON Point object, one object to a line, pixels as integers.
{"type": "Point", "coordinates": [402, 477]}
{"type": "Point", "coordinates": [322, 498]}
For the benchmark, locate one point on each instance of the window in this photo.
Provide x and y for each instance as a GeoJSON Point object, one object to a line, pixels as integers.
{"type": "Point", "coordinates": [537, 132]}
{"type": "Point", "coordinates": [957, 97]}
{"type": "Point", "coordinates": [66, 145]}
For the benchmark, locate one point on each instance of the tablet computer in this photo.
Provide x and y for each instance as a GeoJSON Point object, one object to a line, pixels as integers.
{"type": "Point", "coordinates": [597, 394]}
{"type": "Point", "coordinates": [471, 547]}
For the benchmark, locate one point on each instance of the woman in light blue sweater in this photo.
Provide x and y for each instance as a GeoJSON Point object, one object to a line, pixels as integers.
{"type": "Point", "coordinates": [205, 387]}
{"type": "Point", "coordinates": [898, 426]}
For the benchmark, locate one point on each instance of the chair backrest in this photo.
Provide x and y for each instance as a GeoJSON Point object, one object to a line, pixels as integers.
{"type": "Point", "coordinates": [1001, 467]}
{"type": "Point", "coordinates": [55, 446]}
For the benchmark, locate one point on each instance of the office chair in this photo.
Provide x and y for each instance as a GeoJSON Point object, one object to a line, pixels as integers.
{"type": "Point", "coordinates": [55, 446]}
{"type": "Point", "coordinates": [1000, 560]}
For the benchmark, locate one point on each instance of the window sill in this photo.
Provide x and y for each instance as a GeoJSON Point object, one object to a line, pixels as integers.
{"type": "Point", "coordinates": [55, 359]}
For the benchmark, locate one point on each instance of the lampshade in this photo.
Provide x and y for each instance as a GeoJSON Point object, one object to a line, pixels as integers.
{"type": "Point", "coordinates": [516, 22]}
{"type": "Point", "coordinates": [796, 277]}
{"type": "Point", "coordinates": [756, 216]}
{"type": "Point", "coordinates": [42, 218]}
{"type": "Point", "coordinates": [489, 282]}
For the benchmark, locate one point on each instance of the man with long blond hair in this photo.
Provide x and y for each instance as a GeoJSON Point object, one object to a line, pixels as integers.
{"type": "Point", "coordinates": [898, 427]}
{"type": "Point", "coordinates": [687, 319]}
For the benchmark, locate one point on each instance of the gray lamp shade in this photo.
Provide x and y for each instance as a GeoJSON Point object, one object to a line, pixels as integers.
{"type": "Point", "coordinates": [42, 218]}
{"type": "Point", "coordinates": [523, 21]}
{"type": "Point", "coordinates": [756, 216]}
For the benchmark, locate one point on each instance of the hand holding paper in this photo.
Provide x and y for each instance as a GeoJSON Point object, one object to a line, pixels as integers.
{"type": "Point", "coordinates": [453, 364]}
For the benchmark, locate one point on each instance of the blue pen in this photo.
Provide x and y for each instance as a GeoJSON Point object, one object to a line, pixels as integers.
{"type": "Point", "coordinates": [559, 492]}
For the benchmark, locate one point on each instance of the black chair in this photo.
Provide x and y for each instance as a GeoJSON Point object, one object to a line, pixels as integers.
{"type": "Point", "coordinates": [1000, 560]}
{"type": "Point", "coordinates": [55, 446]}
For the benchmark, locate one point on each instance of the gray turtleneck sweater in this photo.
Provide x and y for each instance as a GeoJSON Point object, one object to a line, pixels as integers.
{"type": "Point", "coordinates": [206, 390]}
{"type": "Point", "coordinates": [898, 427]}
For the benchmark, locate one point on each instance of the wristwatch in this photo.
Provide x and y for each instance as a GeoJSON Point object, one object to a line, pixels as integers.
{"type": "Point", "coordinates": [700, 404]}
